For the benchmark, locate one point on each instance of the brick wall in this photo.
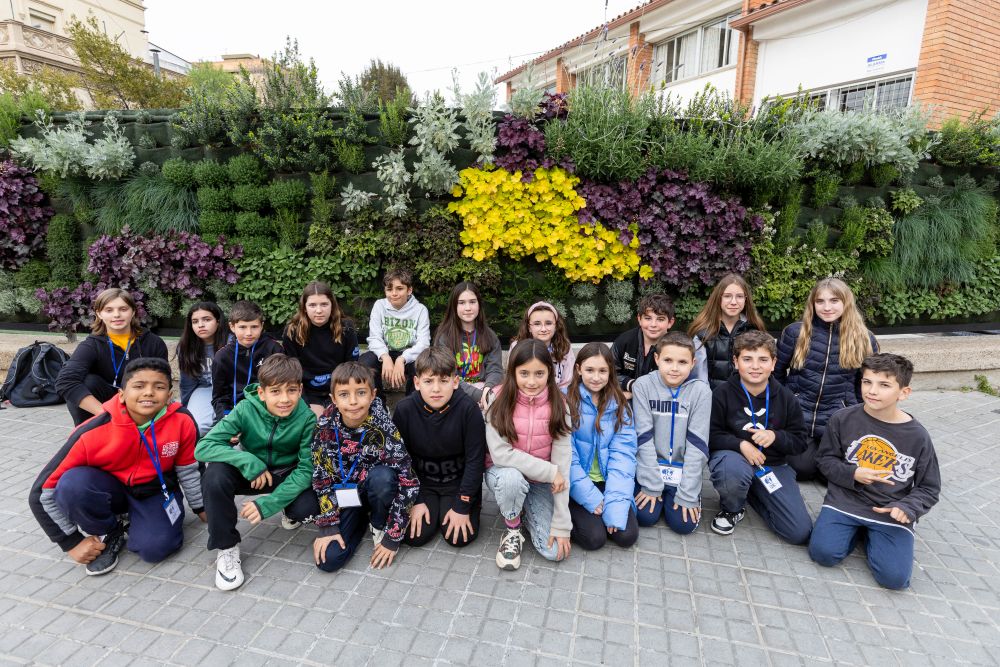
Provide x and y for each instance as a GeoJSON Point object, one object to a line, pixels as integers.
{"type": "Point", "coordinates": [959, 66]}
{"type": "Point", "coordinates": [640, 61]}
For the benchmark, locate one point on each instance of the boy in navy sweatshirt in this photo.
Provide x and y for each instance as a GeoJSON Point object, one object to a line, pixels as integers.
{"type": "Point", "coordinates": [757, 423]}
{"type": "Point", "coordinates": [883, 475]}
{"type": "Point", "coordinates": [234, 367]}
{"type": "Point", "coordinates": [444, 432]}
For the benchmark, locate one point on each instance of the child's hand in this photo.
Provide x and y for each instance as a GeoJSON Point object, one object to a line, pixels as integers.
{"type": "Point", "coordinates": [867, 476]}
{"type": "Point", "coordinates": [399, 372]}
{"type": "Point", "coordinates": [558, 483]}
{"type": "Point", "coordinates": [320, 545]}
{"type": "Point", "coordinates": [752, 454]}
{"type": "Point", "coordinates": [562, 550]}
{"type": "Point", "coordinates": [612, 530]}
{"type": "Point", "coordinates": [250, 512]}
{"type": "Point", "coordinates": [418, 516]}
{"type": "Point", "coordinates": [457, 524]}
{"type": "Point", "coordinates": [628, 395]}
{"type": "Point", "coordinates": [694, 513]}
{"type": "Point", "coordinates": [387, 368]}
{"type": "Point", "coordinates": [641, 500]}
{"type": "Point", "coordinates": [87, 550]}
{"type": "Point", "coordinates": [762, 437]}
{"type": "Point", "coordinates": [235, 440]}
{"type": "Point", "coordinates": [382, 557]}
{"type": "Point", "coordinates": [203, 516]}
{"type": "Point", "coordinates": [599, 510]}
{"type": "Point", "coordinates": [263, 480]}
{"type": "Point", "coordinates": [896, 513]}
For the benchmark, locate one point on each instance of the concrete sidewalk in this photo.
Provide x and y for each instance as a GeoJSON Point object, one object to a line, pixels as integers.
{"type": "Point", "coordinates": [702, 599]}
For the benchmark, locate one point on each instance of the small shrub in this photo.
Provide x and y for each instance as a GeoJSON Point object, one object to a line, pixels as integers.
{"type": "Point", "coordinates": [321, 207]}
{"type": "Point", "coordinates": [883, 174]}
{"type": "Point", "coordinates": [854, 173]}
{"type": "Point", "coordinates": [245, 169]}
{"type": "Point", "coordinates": [618, 312]}
{"type": "Point", "coordinates": [253, 246]}
{"type": "Point", "coordinates": [788, 214]}
{"type": "Point", "coordinates": [584, 291]}
{"type": "Point", "coordinates": [905, 201]}
{"type": "Point", "coordinates": [289, 227]}
{"type": "Point", "coordinates": [250, 197]}
{"type": "Point", "coordinates": [584, 314]}
{"type": "Point", "coordinates": [350, 156]}
{"type": "Point", "coordinates": [179, 172]}
{"type": "Point", "coordinates": [146, 141]}
{"type": "Point", "coordinates": [289, 194]}
{"type": "Point", "coordinates": [972, 143]}
{"type": "Point", "coordinates": [619, 290]}
{"type": "Point", "coordinates": [876, 202]}
{"type": "Point", "coordinates": [253, 224]}
{"type": "Point", "coordinates": [149, 169]}
{"type": "Point", "coordinates": [33, 274]}
{"type": "Point", "coordinates": [22, 216]}
{"type": "Point", "coordinates": [818, 234]}
{"type": "Point", "coordinates": [216, 223]}
{"type": "Point", "coordinates": [825, 189]}
{"type": "Point", "coordinates": [214, 199]}
{"type": "Point", "coordinates": [392, 125]}
{"type": "Point", "coordinates": [62, 245]}
{"type": "Point", "coordinates": [211, 174]}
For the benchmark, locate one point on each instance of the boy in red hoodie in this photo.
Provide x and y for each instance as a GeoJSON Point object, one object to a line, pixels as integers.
{"type": "Point", "coordinates": [134, 459]}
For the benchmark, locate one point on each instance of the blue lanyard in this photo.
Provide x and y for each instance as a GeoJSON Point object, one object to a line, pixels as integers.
{"type": "Point", "coordinates": [236, 356]}
{"type": "Point", "coordinates": [767, 406]}
{"type": "Point", "coordinates": [344, 478]}
{"type": "Point", "coordinates": [114, 364]}
{"type": "Point", "coordinates": [673, 419]}
{"type": "Point", "coordinates": [154, 456]}
{"type": "Point", "coordinates": [467, 364]}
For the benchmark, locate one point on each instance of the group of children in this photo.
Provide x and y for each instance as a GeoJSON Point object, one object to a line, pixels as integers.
{"type": "Point", "coordinates": [581, 447]}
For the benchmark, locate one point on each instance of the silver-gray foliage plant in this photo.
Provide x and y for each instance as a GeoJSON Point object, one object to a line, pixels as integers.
{"type": "Point", "coordinates": [584, 314]}
{"type": "Point", "coordinates": [477, 107]}
{"type": "Point", "coordinates": [391, 172]}
{"type": "Point", "coordinates": [525, 100]}
{"type": "Point", "coordinates": [67, 152]}
{"type": "Point", "coordinates": [434, 135]}
{"type": "Point", "coordinates": [355, 200]}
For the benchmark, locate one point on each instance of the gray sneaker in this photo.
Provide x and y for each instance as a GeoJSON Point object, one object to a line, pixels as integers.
{"type": "Point", "coordinates": [509, 553]}
{"type": "Point", "coordinates": [108, 559]}
{"type": "Point", "coordinates": [725, 522]}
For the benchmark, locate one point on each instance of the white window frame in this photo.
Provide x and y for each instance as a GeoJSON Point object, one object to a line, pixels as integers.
{"type": "Point", "coordinates": [605, 67]}
{"type": "Point", "coordinates": [42, 17]}
{"type": "Point", "coordinates": [830, 96]}
{"type": "Point", "coordinates": [659, 74]}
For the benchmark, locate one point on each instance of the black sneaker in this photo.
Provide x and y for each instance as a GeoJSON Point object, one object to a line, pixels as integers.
{"type": "Point", "coordinates": [108, 559]}
{"type": "Point", "coordinates": [725, 522]}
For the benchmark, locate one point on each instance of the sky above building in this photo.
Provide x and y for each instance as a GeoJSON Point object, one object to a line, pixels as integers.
{"type": "Point", "coordinates": [427, 40]}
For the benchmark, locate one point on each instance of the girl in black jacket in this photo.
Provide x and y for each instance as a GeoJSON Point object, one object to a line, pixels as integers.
{"type": "Point", "coordinates": [728, 312]}
{"type": "Point", "coordinates": [204, 335]}
{"type": "Point", "coordinates": [820, 359]}
{"type": "Point", "coordinates": [93, 374]}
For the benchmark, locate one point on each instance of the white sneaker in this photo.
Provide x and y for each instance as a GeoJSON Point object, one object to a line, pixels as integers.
{"type": "Point", "coordinates": [288, 523]}
{"type": "Point", "coordinates": [509, 553]}
{"type": "Point", "coordinates": [228, 573]}
{"type": "Point", "coordinates": [377, 535]}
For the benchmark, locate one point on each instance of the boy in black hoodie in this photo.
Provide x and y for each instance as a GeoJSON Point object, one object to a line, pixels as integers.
{"type": "Point", "coordinates": [757, 423]}
{"type": "Point", "coordinates": [444, 432]}
{"type": "Point", "coordinates": [234, 367]}
{"type": "Point", "coordinates": [883, 475]}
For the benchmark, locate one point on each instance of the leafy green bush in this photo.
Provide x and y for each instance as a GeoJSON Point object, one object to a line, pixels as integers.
{"type": "Point", "coordinates": [289, 227]}
{"type": "Point", "coordinates": [866, 230]}
{"type": "Point", "coordinates": [245, 169]}
{"type": "Point", "coordinates": [825, 188]}
{"type": "Point", "coordinates": [883, 174]}
{"type": "Point", "coordinates": [254, 246]}
{"type": "Point", "coordinates": [214, 199]}
{"type": "Point", "coordinates": [216, 222]}
{"type": "Point", "coordinates": [211, 174]}
{"type": "Point", "coordinates": [392, 126]}
{"type": "Point", "coordinates": [973, 143]}
{"type": "Point", "coordinates": [322, 187]}
{"type": "Point", "coordinates": [249, 197]}
{"type": "Point", "coordinates": [980, 295]}
{"type": "Point", "coordinates": [179, 172]}
{"type": "Point", "coordinates": [350, 156]}
{"type": "Point", "coordinates": [818, 234]}
{"type": "Point", "coordinates": [253, 224]}
{"type": "Point", "coordinates": [905, 201]}
{"type": "Point", "coordinates": [274, 279]}
{"type": "Point", "coordinates": [788, 214]}
{"type": "Point", "coordinates": [288, 194]}
{"type": "Point", "coordinates": [32, 274]}
{"type": "Point", "coordinates": [854, 172]}
{"type": "Point", "coordinates": [62, 246]}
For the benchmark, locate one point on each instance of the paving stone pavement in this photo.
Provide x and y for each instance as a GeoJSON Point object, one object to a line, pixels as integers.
{"type": "Point", "coordinates": [746, 600]}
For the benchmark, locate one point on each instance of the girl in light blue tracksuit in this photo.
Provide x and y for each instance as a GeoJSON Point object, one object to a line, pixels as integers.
{"type": "Point", "coordinates": [602, 472]}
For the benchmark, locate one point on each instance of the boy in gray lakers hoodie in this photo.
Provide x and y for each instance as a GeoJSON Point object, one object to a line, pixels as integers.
{"type": "Point", "coordinates": [672, 414]}
{"type": "Point", "coordinates": [399, 329]}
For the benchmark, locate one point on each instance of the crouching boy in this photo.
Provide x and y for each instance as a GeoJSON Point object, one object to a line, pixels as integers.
{"type": "Point", "coordinates": [275, 428]}
{"type": "Point", "coordinates": [361, 473]}
{"type": "Point", "coordinates": [445, 434]}
{"type": "Point", "coordinates": [756, 423]}
{"type": "Point", "coordinates": [883, 475]}
{"type": "Point", "coordinates": [133, 459]}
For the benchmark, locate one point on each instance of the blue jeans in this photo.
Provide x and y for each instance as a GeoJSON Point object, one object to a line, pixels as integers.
{"type": "Point", "coordinates": [783, 511]}
{"type": "Point", "coordinates": [92, 499]}
{"type": "Point", "coordinates": [889, 548]}
{"type": "Point", "coordinates": [377, 493]}
{"type": "Point", "coordinates": [514, 493]}
{"type": "Point", "coordinates": [664, 506]}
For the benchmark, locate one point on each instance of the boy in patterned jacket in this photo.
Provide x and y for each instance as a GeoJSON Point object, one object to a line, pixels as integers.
{"type": "Point", "coordinates": [361, 473]}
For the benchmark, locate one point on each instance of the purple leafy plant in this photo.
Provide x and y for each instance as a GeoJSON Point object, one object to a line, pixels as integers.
{"type": "Point", "coordinates": [521, 142]}
{"type": "Point", "coordinates": [23, 218]}
{"type": "Point", "coordinates": [70, 311]}
{"type": "Point", "coordinates": [688, 234]}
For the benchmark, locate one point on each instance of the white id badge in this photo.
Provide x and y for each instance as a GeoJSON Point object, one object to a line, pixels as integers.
{"type": "Point", "coordinates": [348, 497]}
{"type": "Point", "coordinates": [768, 479]}
{"type": "Point", "coordinates": [172, 508]}
{"type": "Point", "coordinates": [671, 472]}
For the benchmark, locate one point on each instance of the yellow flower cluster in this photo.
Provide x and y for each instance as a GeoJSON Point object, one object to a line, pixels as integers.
{"type": "Point", "coordinates": [500, 212]}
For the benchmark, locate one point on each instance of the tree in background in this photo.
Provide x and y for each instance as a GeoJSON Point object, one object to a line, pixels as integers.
{"type": "Point", "coordinates": [386, 80]}
{"type": "Point", "coordinates": [21, 95]}
{"type": "Point", "coordinates": [210, 79]}
{"type": "Point", "coordinates": [114, 78]}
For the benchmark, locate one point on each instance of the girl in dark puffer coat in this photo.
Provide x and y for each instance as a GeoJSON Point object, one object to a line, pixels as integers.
{"type": "Point", "coordinates": [820, 359]}
{"type": "Point", "coordinates": [728, 312]}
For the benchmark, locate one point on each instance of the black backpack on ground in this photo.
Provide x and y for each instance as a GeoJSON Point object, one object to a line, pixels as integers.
{"type": "Point", "coordinates": [31, 379]}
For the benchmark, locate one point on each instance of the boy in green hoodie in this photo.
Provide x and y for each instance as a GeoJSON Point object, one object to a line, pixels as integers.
{"type": "Point", "coordinates": [275, 428]}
